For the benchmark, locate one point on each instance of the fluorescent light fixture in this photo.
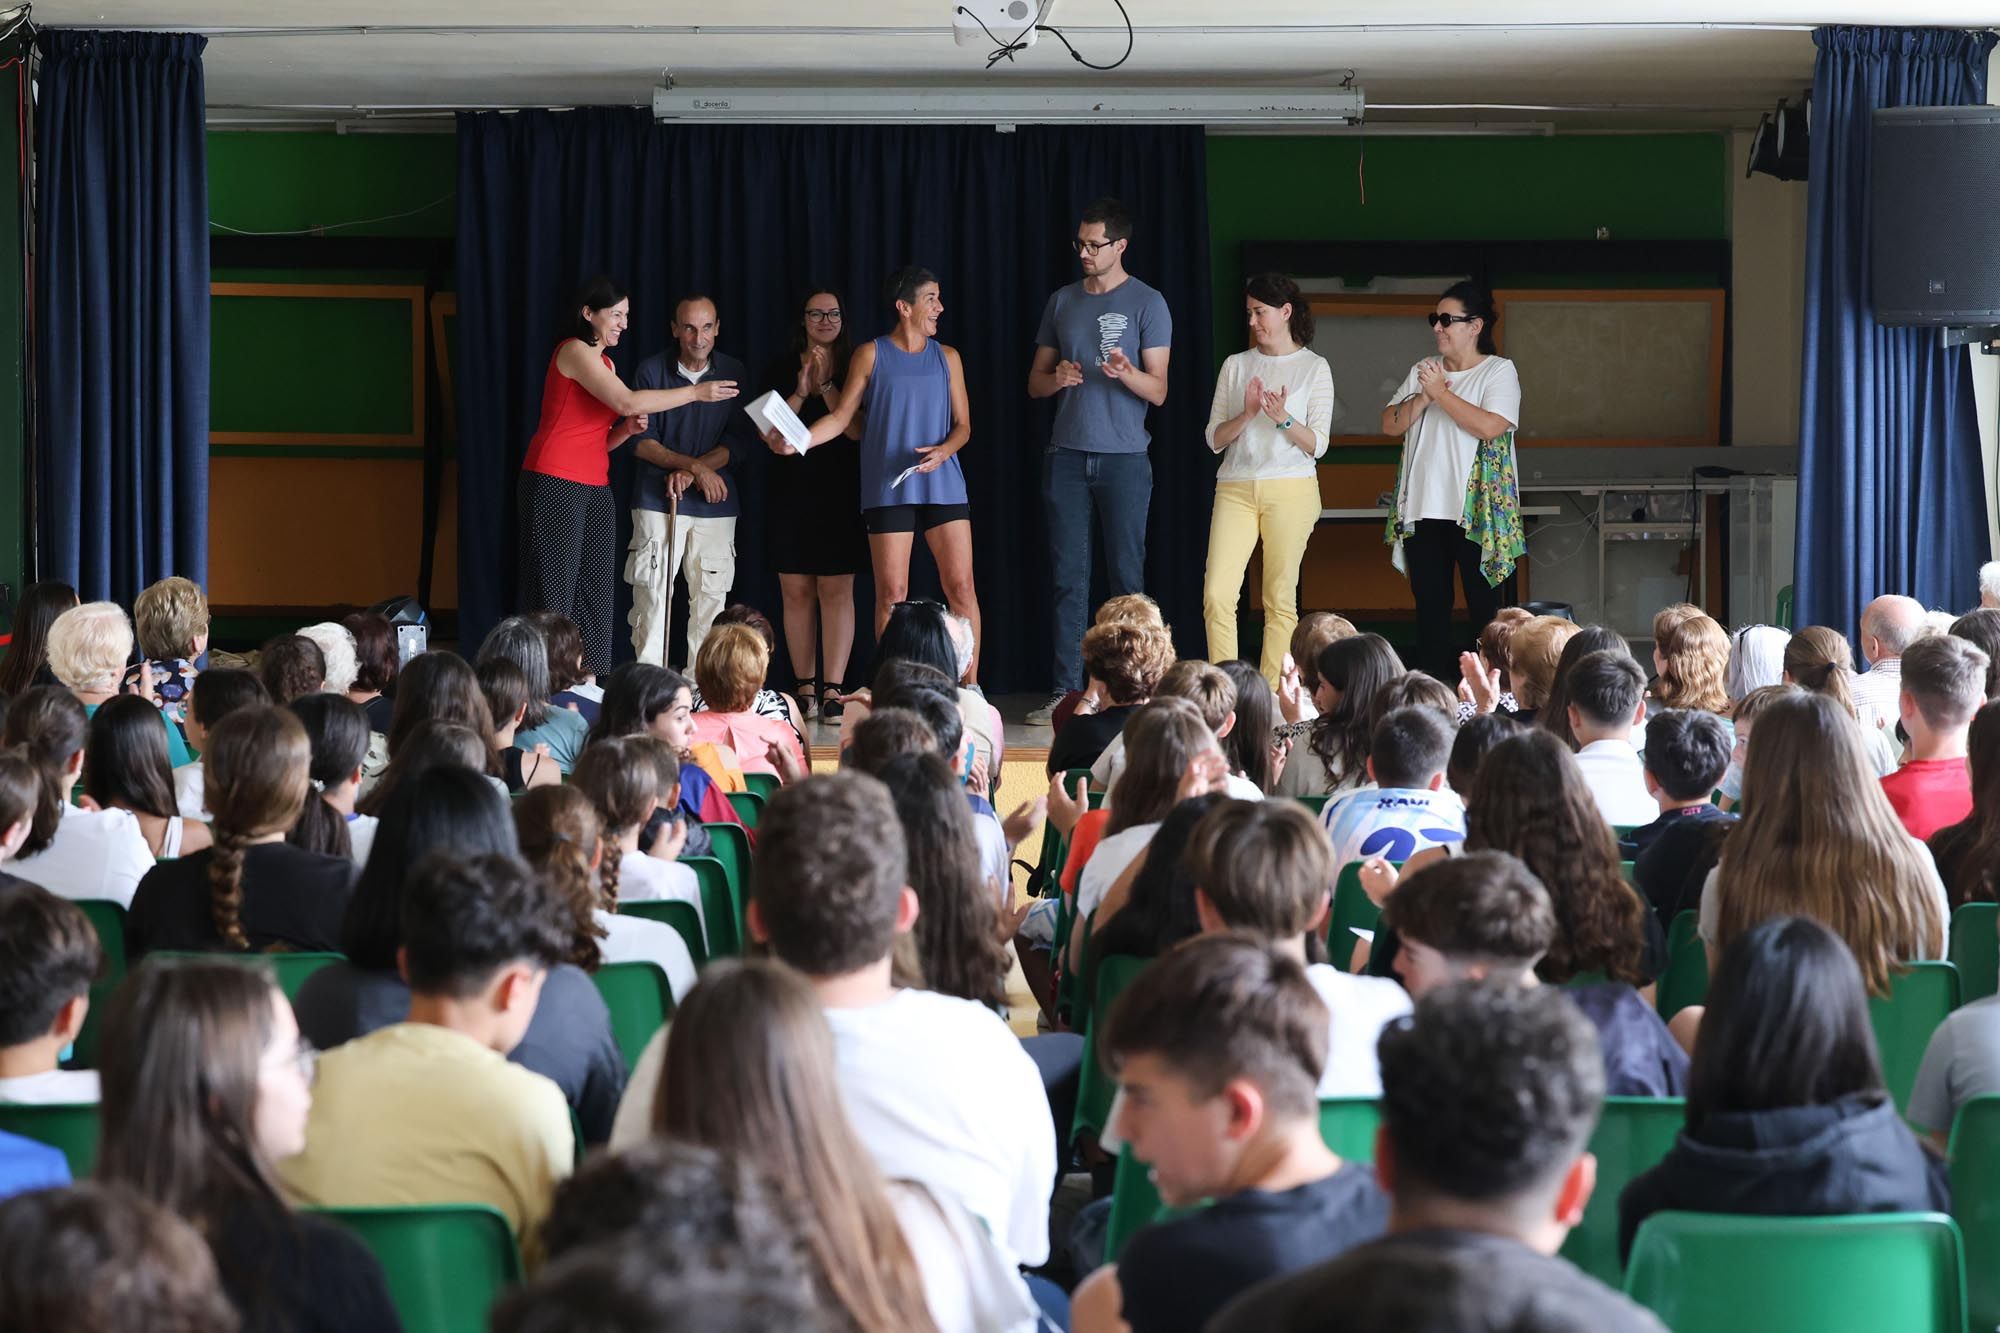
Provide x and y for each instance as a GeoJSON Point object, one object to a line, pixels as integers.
{"type": "Point", "coordinates": [1274, 107]}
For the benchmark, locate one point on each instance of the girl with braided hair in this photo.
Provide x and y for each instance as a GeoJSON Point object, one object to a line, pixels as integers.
{"type": "Point", "coordinates": [627, 780]}
{"type": "Point", "coordinates": [69, 851]}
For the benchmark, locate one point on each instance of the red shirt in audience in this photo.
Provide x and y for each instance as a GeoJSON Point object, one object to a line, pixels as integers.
{"type": "Point", "coordinates": [1929, 794]}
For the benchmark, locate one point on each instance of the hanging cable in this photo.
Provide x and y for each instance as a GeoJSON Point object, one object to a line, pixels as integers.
{"type": "Point", "coordinates": [1057, 33]}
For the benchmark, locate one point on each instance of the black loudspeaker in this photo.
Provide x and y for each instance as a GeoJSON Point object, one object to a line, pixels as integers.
{"type": "Point", "coordinates": [1934, 215]}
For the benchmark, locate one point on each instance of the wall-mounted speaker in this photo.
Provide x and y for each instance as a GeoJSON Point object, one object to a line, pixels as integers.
{"type": "Point", "coordinates": [1780, 147]}
{"type": "Point", "coordinates": [1934, 215]}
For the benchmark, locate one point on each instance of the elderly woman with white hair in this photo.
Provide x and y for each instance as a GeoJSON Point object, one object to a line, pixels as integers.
{"type": "Point", "coordinates": [1756, 659]}
{"type": "Point", "coordinates": [90, 647]}
{"type": "Point", "coordinates": [336, 645]}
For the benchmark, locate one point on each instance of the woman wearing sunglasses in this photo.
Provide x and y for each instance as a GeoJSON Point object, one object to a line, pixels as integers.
{"type": "Point", "coordinates": [1456, 505]}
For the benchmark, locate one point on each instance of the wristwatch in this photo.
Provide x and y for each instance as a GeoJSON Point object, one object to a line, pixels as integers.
{"type": "Point", "coordinates": [1286, 424]}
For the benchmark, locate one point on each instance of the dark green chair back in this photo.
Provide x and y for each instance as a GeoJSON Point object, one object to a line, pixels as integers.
{"type": "Point", "coordinates": [1628, 870]}
{"type": "Point", "coordinates": [1095, 1087]}
{"type": "Point", "coordinates": [108, 920]}
{"type": "Point", "coordinates": [718, 904]}
{"type": "Point", "coordinates": [1685, 981]}
{"type": "Point", "coordinates": [1975, 1203]}
{"type": "Point", "coordinates": [1632, 1136]}
{"type": "Point", "coordinates": [681, 916]}
{"type": "Point", "coordinates": [1352, 910]}
{"type": "Point", "coordinates": [1975, 950]}
{"type": "Point", "coordinates": [444, 1263]}
{"type": "Point", "coordinates": [1917, 1002]}
{"type": "Point", "coordinates": [1624, 831]}
{"type": "Point", "coordinates": [290, 970]}
{"type": "Point", "coordinates": [69, 1128]}
{"type": "Point", "coordinates": [1316, 803]}
{"type": "Point", "coordinates": [764, 784]}
{"type": "Point", "coordinates": [749, 807]}
{"type": "Point", "coordinates": [730, 844]}
{"type": "Point", "coordinates": [639, 998]}
{"type": "Point", "coordinates": [1348, 1125]}
{"type": "Point", "coordinates": [1881, 1273]}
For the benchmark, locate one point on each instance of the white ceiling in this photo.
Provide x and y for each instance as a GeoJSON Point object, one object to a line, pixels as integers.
{"type": "Point", "coordinates": [1660, 63]}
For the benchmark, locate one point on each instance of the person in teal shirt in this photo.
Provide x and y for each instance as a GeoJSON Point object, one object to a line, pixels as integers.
{"type": "Point", "coordinates": [89, 646]}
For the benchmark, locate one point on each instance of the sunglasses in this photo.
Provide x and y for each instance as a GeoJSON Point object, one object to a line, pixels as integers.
{"type": "Point", "coordinates": [1438, 321]}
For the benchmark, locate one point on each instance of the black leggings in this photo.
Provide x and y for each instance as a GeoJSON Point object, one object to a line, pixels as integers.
{"type": "Point", "coordinates": [1431, 553]}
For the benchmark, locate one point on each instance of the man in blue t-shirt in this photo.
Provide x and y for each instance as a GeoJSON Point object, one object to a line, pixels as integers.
{"type": "Point", "coordinates": [1102, 354]}
{"type": "Point", "coordinates": [689, 453]}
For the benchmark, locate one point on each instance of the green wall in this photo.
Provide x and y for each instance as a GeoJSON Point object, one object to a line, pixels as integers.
{"type": "Point", "coordinates": [295, 181]}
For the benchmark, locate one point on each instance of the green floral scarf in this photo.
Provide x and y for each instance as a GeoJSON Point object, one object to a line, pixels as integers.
{"type": "Point", "coordinates": [1492, 516]}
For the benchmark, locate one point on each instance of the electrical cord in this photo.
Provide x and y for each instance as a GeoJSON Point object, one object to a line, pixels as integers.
{"type": "Point", "coordinates": [335, 226]}
{"type": "Point", "coordinates": [1006, 50]}
{"type": "Point", "coordinates": [1057, 33]}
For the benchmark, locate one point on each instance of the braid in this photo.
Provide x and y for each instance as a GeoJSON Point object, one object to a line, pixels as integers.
{"type": "Point", "coordinates": [607, 875]}
{"type": "Point", "coordinates": [225, 887]}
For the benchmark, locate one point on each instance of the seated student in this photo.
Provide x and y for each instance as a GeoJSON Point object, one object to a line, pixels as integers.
{"type": "Point", "coordinates": [1786, 1112]}
{"type": "Point", "coordinates": [1968, 852]}
{"type": "Point", "coordinates": [730, 668]}
{"type": "Point", "coordinates": [1607, 699]}
{"type": "Point", "coordinates": [1252, 745]}
{"type": "Point", "coordinates": [21, 790]}
{"type": "Point", "coordinates": [1333, 755]}
{"type": "Point", "coordinates": [170, 620]}
{"type": "Point", "coordinates": [89, 646]}
{"type": "Point", "coordinates": [1218, 1048]}
{"type": "Point", "coordinates": [436, 687]}
{"type": "Point", "coordinates": [1414, 689]}
{"type": "Point", "coordinates": [101, 1258]}
{"type": "Point", "coordinates": [454, 810]}
{"type": "Point", "coordinates": [938, 1089]}
{"type": "Point", "coordinates": [750, 1071]}
{"type": "Point", "coordinates": [1151, 909]}
{"type": "Point", "coordinates": [1486, 680]}
{"type": "Point", "coordinates": [70, 851]}
{"type": "Point", "coordinates": [1961, 1061]}
{"type": "Point", "coordinates": [336, 652]}
{"type": "Point", "coordinates": [207, 1088]}
{"type": "Point", "coordinates": [1213, 693]}
{"type": "Point", "coordinates": [1588, 639]}
{"type": "Point", "coordinates": [923, 634]}
{"type": "Point", "coordinates": [1489, 1097]}
{"type": "Point", "coordinates": [377, 659]}
{"type": "Point", "coordinates": [1266, 869]}
{"type": "Point", "coordinates": [1687, 752]}
{"type": "Point", "coordinates": [1409, 808]}
{"type": "Point", "coordinates": [559, 836]}
{"type": "Point", "coordinates": [1167, 741]}
{"type": "Point", "coordinates": [1129, 658]}
{"type": "Point", "coordinates": [431, 745]}
{"type": "Point", "coordinates": [49, 956]}
{"type": "Point", "coordinates": [624, 780]}
{"type": "Point", "coordinates": [26, 661]}
{"type": "Point", "coordinates": [508, 701]}
{"type": "Point", "coordinates": [630, 1286]}
{"type": "Point", "coordinates": [1298, 677]}
{"type": "Point", "coordinates": [337, 731]}
{"type": "Point", "coordinates": [125, 768]}
{"type": "Point", "coordinates": [1533, 655]}
{"type": "Point", "coordinates": [252, 890]}
{"type": "Point", "coordinates": [291, 667]}
{"type": "Point", "coordinates": [654, 701]}
{"type": "Point", "coordinates": [1475, 740]}
{"type": "Point", "coordinates": [905, 686]}
{"type": "Point", "coordinates": [1943, 685]}
{"type": "Point", "coordinates": [218, 692]}
{"type": "Point", "coordinates": [429, 1110]}
{"type": "Point", "coordinates": [571, 682]}
{"type": "Point", "coordinates": [1484, 914]}
{"type": "Point", "coordinates": [542, 722]}
{"type": "Point", "coordinates": [1060, 707]}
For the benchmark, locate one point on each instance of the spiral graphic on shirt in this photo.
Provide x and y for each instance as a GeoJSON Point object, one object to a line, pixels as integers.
{"type": "Point", "coordinates": [1110, 332]}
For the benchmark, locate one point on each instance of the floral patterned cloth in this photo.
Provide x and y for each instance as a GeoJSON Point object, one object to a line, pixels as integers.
{"type": "Point", "coordinates": [1492, 517]}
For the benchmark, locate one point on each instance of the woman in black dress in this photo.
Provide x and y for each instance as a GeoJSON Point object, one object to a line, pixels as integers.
{"type": "Point", "coordinates": [817, 541]}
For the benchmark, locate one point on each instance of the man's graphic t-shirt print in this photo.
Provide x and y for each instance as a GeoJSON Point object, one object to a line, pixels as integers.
{"type": "Point", "coordinates": [1110, 332]}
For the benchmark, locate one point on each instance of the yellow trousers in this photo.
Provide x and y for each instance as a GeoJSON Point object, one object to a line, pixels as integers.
{"type": "Point", "coordinates": [1280, 513]}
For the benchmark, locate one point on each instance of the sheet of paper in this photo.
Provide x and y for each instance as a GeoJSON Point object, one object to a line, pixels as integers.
{"type": "Point", "coordinates": [772, 412]}
{"type": "Point", "coordinates": [1361, 934]}
{"type": "Point", "coordinates": [902, 477]}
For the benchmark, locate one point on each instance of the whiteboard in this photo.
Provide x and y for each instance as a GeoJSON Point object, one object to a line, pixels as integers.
{"type": "Point", "coordinates": [1638, 366]}
{"type": "Point", "coordinates": [1370, 355]}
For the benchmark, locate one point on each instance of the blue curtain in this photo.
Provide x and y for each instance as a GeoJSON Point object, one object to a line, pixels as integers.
{"type": "Point", "coordinates": [121, 310]}
{"type": "Point", "coordinates": [750, 214]}
{"type": "Point", "coordinates": [1891, 497]}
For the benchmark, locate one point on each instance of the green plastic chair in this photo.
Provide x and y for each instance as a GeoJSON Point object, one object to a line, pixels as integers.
{"type": "Point", "coordinates": [749, 807]}
{"type": "Point", "coordinates": [1781, 613]}
{"type": "Point", "coordinates": [718, 905]}
{"type": "Point", "coordinates": [1348, 1125]}
{"type": "Point", "coordinates": [640, 1000]}
{"type": "Point", "coordinates": [1975, 950]}
{"type": "Point", "coordinates": [764, 784]}
{"type": "Point", "coordinates": [1315, 804]}
{"type": "Point", "coordinates": [1631, 1137]}
{"type": "Point", "coordinates": [681, 916]}
{"type": "Point", "coordinates": [107, 918]}
{"type": "Point", "coordinates": [290, 970]}
{"type": "Point", "coordinates": [69, 1127]}
{"type": "Point", "coordinates": [1917, 1002]}
{"type": "Point", "coordinates": [1624, 831]}
{"type": "Point", "coordinates": [730, 844]}
{"type": "Point", "coordinates": [1352, 910]}
{"type": "Point", "coordinates": [1879, 1273]}
{"type": "Point", "coordinates": [1975, 1203]}
{"type": "Point", "coordinates": [1685, 981]}
{"type": "Point", "coordinates": [1629, 870]}
{"type": "Point", "coordinates": [1095, 1086]}
{"type": "Point", "coordinates": [445, 1263]}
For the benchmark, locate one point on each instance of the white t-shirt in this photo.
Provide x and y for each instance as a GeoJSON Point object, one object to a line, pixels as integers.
{"type": "Point", "coordinates": [1394, 823]}
{"type": "Point", "coordinates": [940, 1092]}
{"type": "Point", "coordinates": [969, 1285]}
{"type": "Point", "coordinates": [55, 1088]}
{"type": "Point", "coordinates": [1359, 1007]}
{"type": "Point", "coordinates": [361, 833]}
{"type": "Point", "coordinates": [1261, 452]}
{"type": "Point", "coordinates": [190, 796]}
{"type": "Point", "coordinates": [634, 939]}
{"type": "Point", "coordinates": [1709, 915]}
{"type": "Point", "coordinates": [1617, 781]}
{"type": "Point", "coordinates": [1107, 862]}
{"type": "Point", "coordinates": [1437, 451]}
{"type": "Point", "coordinates": [95, 854]}
{"type": "Point", "coordinates": [995, 857]}
{"type": "Point", "coordinates": [643, 878]}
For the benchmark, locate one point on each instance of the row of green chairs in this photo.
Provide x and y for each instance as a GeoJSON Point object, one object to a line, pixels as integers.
{"type": "Point", "coordinates": [1975, 950]}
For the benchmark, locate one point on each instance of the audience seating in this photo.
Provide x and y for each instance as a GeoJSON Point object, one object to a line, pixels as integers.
{"type": "Point", "coordinates": [1975, 950]}
{"type": "Point", "coordinates": [640, 1000]}
{"type": "Point", "coordinates": [1685, 981]}
{"type": "Point", "coordinates": [764, 784]}
{"type": "Point", "coordinates": [444, 1263]}
{"type": "Point", "coordinates": [1095, 1086]}
{"type": "Point", "coordinates": [1975, 1203]}
{"type": "Point", "coordinates": [1881, 1273]}
{"type": "Point", "coordinates": [1352, 910]}
{"type": "Point", "coordinates": [1917, 1002]}
{"type": "Point", "coordinates": [1631, 1137]}
{"type": "Point", "coordinates": [1316, 804]}
{"type": "Point", "coordinates": [681, 916]}
{"type": "Point", "coordinates": [70, 1127]}
{"type": "Point", "coordinates": [730, 844]}
{"type": "Point", "coordinates": [290, 970]}
{"type": "Point", "coordinates": [107, 918]}
{"type": "Point", "coordinates": [749, 807]}
{"type": "Point", "coordinates": [718, 905]}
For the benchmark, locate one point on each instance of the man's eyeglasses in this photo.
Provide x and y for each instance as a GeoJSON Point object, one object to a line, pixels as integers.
{"type": "Point", "coordinates": [1438, 321]}
{"type": "Point", "coordinates": [823, 316]}
{"type": "Point", "coordinates": [1092, 248]}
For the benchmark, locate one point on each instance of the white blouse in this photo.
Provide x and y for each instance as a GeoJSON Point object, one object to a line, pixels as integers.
{"type": "Point", "coordinates": [1261, 452]}
{"type": "Point", "coordinates": [1438, 452]}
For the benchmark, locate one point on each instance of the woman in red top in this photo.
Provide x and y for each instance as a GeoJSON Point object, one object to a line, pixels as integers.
{"type": "Point", "coordinates": [567, 522]}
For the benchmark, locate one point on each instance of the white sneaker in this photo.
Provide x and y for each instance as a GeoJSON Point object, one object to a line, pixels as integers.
{"type": "Point", "coordinates": [1046, 715]}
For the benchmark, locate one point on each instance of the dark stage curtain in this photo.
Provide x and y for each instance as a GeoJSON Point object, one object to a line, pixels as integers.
{"type": "Point", "coordinates": [750, 215]}
{"type": "Point", "coordinates": [121, 311]}
{"type": "Point", "coordinates": [1890, 492]}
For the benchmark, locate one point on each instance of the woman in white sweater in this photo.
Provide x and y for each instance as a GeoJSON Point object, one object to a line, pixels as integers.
{"type": "Point", "coordinates": [1272, 411]}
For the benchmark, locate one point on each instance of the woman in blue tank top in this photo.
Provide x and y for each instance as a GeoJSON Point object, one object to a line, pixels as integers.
{"type": "Point", "coordinates": [913, 389]}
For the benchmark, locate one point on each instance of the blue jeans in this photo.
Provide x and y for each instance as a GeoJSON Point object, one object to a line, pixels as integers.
{"type": "Point", "coordinates": [1117, 488]}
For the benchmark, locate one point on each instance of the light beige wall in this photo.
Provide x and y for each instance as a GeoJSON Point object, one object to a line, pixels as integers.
{"type": "Point", "coordinates": [1767, 229]}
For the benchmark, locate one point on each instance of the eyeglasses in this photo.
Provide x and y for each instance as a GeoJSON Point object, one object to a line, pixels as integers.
{"type": "Point", "coordinates": [1092, 248]}
{"type": "Point", "coordinates": [1438, 321]}
{"type": "Point", "coordinates": [823, 316]}
{"type": "Point", "coordinates": [304, 1058]}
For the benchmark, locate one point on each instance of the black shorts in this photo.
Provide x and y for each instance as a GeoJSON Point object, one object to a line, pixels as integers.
{"type": "Point", "coordinates": [914, 518]}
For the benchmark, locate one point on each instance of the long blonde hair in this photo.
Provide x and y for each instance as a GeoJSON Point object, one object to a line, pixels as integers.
{"type": "Point", "coordinates": [1819, 839]}
{"type": "Point", "coordinates": [1821, 660]}
{"type": "Point", "coordinates": [1694, 653]}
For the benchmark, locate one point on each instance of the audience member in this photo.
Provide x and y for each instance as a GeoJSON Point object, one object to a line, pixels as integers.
{"type": "Point", "coordinates": [730, 670]}
{"type": "Point", "coordinates": [170, 621]}
{"type": "Point", "coordinates": [1819, 661]}
{"type": "Point", "coordinates": [1209, 688]}
{"type": "Point", "coordinates": [1981, 629]}
{"type": "Point", "coordinates": [504, 686]}
{"type": "Point", "coordinates": [1756, 659]}
{"type": "Point", "coordinates": [1486, 682]}
{"type": "Point", "coordinates": [89, 646]}
{"type": "Point", "coordinates": [291, 667]}
{"type": "Point", "coordinates": [101, 1258]}
{"type": "Point", "coordinates": [429, 746]}
{"type": "Point", "coordinates": [1298, 679]}
{"type": "Point", "coordinates": [70, 851]}
{"type": "Point", "coordinates": [1170, 755]}
{"type": "Point", "coordinates": [1474, 741]}
{"type": "Point", "coordinates": [1943, 685]}
{"type": "Point", "coordinates": [1134, 606]}
{"type": "Point", "coordinates": [1687, 753]}
{"type": "Point", "coordinates": [1335, 755]}
{"type": "Point", "coordinates": [1413, 689]}
{"type": "Point", "coordinates": [1409, 807]}
{"type": "Point", "coordinates": [769, 702]}
{"type": "Point", "coordinates": [658, 702]}
{"type": "Point", "coordinates": [252, 890]}
{"type": "Point", "coordinates": [218, 692]}
{"type": "Point", "coordinates": [907, 686]}
{"type": "Point", "coordinates": [518, 640]}
{"type": "Point", "coordinates": [337, 733]}
{"type": "Point", "coordinates": [337, 653]}
{"type": "Point", "coordinates": [49, 956]}
{"type": "Point", "coordinates": [1606, 694]}
{"type": "Point", "coordinates": [1888, 626]}
{"type": "Point", "coordinates": [572, 684]}
{"type": "Point", "coordinates": [377, 659]}
{"type": "Point", "coordinates": [125, 767]}
{"type": "Point", "coordinates": [21, 793]}
{"type": "Point", "coordinates": [1961, 1062]}
{"type": "Point", "coordinates": [1218, 1049]}
{"type": "Point", "coordinates": [1968, 852]}
{"type": "Point", "coordinates": [635, 1286]}
{"type": "Point", "coordinates": [442, 687]}
{"type": "Point", "coordinates": [1554, 713]}
{"type": "Point", "coordinates": [207, 1088]}
{"type": "Point", "coordinates": [625, 783]}
{"type": "Point", "coordinates": [1154, 909]}
{"type": "Point", "coordinates": [1252, 746]}
{"type": "Point", "coordinates": [26, 664]}
{"type": "Point", "coordinates": [1533, 653]}
{"type": "Point", "coordinates": [1691, 661]}
{"type": "Point", "coordinates": [1129, 658]}
{"type": "Point", "coordinates": [1489, 1098]}
{"type": "Point", "coordinates": [960, 946]}
{"type": "Point", "coordinates": [1485, 915]}
{"type": "Point", "coordinates": [429, 1110]}
{"type": "Point", "coordinates": [1989, 584]}
{"type": "Point", "coordinates": [1786, 1112]}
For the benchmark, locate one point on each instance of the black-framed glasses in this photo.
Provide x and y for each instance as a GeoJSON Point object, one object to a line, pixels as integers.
{"type": "Point", "coordinates": [1092, 248]}
{"type": "Point", "coordinates": [1438, 321]}
{"type": "Point", "coordinates": [823, 316]}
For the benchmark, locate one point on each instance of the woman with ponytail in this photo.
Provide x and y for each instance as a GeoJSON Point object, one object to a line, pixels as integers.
{"type": "Point", "coordinates": [125, 767]}
{"type": "Point", "coordinates": [72, 852]}
{"type": "Point", "coordinates": [252, 890]}
{"type": "Point", "coordinates": [559, 837]}
{"type": "Point", "coordinates": [1819, 660]}
{"type": "Point", "coordinates": [627, 780]}
{"type": "Point", "coordinates": [337, 730]}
